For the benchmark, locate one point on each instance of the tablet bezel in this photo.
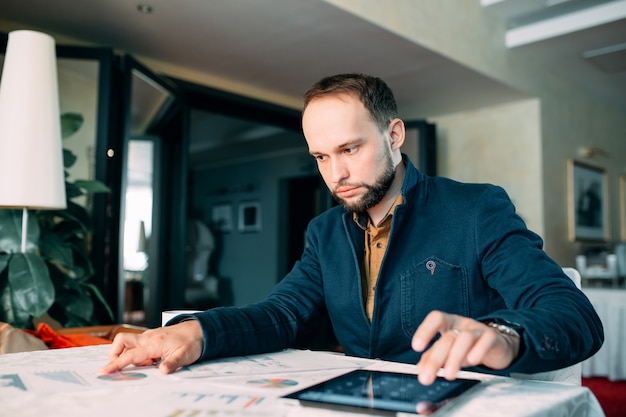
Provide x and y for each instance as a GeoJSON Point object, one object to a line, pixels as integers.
{"type": "Point", "coordinates": [461, 386]}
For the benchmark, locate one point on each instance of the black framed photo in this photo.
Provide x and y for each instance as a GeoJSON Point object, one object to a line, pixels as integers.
{"type": "Point", "coordinates": [587, 202]}
{"type": "Point", "coordinates": [249, 216]}
{"type": "Point", "coordinates": [222, 217]}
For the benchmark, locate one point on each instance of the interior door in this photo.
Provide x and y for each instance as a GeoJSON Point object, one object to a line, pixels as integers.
{"type": "Point", "coordinates": [153, 176]}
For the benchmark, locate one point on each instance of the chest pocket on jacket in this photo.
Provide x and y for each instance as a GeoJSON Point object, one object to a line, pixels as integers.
{"type": "Point", "coordinates": [432, 284]}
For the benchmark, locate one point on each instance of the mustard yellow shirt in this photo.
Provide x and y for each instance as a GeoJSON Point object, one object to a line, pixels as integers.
{"type": "Point", "coordinates": [376, 239]}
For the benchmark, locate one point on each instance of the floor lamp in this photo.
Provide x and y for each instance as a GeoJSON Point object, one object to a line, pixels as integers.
{"type": "Point", "coordinates": [31, 151]}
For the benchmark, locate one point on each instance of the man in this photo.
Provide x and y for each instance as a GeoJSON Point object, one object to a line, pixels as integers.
{"type": "Point", "coordinates": [409, 268]}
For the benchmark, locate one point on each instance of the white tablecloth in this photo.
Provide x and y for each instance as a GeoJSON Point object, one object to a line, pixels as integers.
{"type": "Point", "coordinates": [64, 383]}
{"type": "Point", "coordinates": [610, 361]}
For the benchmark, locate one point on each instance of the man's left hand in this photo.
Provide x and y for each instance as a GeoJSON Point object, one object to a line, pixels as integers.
{"type": "Point", "coordinates": [464, 342]}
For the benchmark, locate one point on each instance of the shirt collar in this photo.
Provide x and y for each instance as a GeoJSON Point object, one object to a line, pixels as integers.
{"type": "Point", "coordinates": [363, 220]}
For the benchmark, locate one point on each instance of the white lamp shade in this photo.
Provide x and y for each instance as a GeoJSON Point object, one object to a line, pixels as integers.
{"type": "Point", "coordinates": [31, 151]}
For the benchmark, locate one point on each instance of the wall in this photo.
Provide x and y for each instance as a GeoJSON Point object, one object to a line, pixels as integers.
{"type": "Point", "coordinates": [569, 117]}
{"type": "Point", "coordinates": [249, 259]}
{"type": "Point", "coordinates": [498, 145]}
{"type": "Point", "coordinates": [568, 124]}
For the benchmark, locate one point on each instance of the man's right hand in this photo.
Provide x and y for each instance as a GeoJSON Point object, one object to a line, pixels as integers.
{"type": "Point", "coordinates": [175, 346]}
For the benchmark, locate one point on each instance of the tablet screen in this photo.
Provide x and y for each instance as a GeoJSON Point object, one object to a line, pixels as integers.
{"type": "Point", "coordinates": [384, 391]}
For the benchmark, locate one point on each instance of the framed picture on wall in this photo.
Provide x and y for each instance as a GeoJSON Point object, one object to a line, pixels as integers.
{"type": "Point", "coordinates": [249, 216]}
{"type": "Point", "coordinates": [222, 217]}
{"type": "Point", "coordinates": [588, 203]}
{"type": "Point", "coordinates": [622, 205]}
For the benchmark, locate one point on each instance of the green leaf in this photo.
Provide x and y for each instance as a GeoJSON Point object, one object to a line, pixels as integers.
{"type": "Point", "coordinates": [73, 301]}
{"type": "Point", "coordinates": [82, 187]}
{"type": "Point", "coordinates": [11, 231]}
{"type": "Point", "coordinates": [76, 304]}
{"type": "Point", "coordinates": [8, 314]}
{"type": "Point", "coordinates": [92, 186]}
{"type": "Point", "coordinates": [96, 292]}
{"type": "Point", "coordinates": [29, 279]}
{"type": "Point", "coordinates": [53, 247]}
{"type": "Point", "coordinates": [70, 123]}
{"type": "Point", "coordinates": [6, 306]}
{"type": "Point", "coordinates": [69, 158]}
{"type": "Point", "coordinates": [83, 268]}
{"type": "Point", "coordinates": [72, 222]}
{"type": "Point", "coordinates": [72, 190]}
{"type": "Point", "coordinates": [4, 261]}
{"type": "Point", "coordinates": [77, 213]}
{"type": "Point", "coordinates": [75, 321]}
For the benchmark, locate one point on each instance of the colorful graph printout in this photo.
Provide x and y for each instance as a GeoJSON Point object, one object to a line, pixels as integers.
{"type": "Point", "coordinates": [61, 376]}
{"type": "Point", "coordinates": [123, 376]}
{"type": "Point", "coordinates": [274, 382]}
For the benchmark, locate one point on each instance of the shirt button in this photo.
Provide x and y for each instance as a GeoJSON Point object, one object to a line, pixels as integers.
{"type": "Point", "coordinates": [379, 245]}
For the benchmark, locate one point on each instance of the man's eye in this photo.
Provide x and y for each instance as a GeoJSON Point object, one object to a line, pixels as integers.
{"type": "Point", "coordinates": [320, 158]}
{"type": "Point", "coordinates": [350, 150]}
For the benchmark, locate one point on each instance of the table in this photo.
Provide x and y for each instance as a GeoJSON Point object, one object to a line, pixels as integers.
{"type": "Point", "coordinates": [610, 360]}
{"type": "Point", "coordinates": [64, 383]}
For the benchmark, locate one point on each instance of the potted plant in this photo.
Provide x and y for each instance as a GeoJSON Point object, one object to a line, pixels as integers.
{"type": "Point", "coordinates": [53, 277]}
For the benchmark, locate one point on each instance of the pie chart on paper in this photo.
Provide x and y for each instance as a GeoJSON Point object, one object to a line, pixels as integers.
{"type": "Point", "coordinates": [273, 383]}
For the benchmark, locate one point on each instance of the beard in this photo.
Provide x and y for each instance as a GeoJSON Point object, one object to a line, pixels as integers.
{"type": "Point", "coordinates": [375, 192]}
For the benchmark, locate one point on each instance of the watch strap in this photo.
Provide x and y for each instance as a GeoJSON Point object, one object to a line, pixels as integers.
{"type": "Point", "coordinates": [504, 329]}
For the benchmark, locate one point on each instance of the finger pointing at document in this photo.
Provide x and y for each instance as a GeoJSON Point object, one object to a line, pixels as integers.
{"type": "Point", "coordinates": [463, 342]}
{"type": "Point", "coordinates": [175, 346]}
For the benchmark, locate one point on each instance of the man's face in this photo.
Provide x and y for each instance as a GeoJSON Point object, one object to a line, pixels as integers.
{"type": "Point", "coordinates": [353, 156]}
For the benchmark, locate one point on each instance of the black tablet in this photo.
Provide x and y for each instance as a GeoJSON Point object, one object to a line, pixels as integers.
{"type": "Point", "coordinates": [382, 393]}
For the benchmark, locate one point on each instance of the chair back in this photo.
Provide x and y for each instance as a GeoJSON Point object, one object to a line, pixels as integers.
{"type": "Point", "coordinates": [574, 276]}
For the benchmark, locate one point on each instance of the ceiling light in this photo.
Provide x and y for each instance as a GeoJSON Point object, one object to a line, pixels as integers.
{"type": "Point", "coordinates": [566, 23]}
{"type": "Point", "coordinates": [550, 3]}
{"type": "Point", "coordinates": [610, 59]}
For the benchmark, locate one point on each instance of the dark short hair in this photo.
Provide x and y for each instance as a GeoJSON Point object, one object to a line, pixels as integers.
{"type": "Point", "coordinates": [375, 95]}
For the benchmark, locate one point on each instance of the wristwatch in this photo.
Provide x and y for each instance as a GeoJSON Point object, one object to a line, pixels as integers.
{"type": "Point", "coordinates": [506, 327]}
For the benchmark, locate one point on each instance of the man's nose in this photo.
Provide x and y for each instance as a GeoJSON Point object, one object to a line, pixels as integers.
{"type": "Point", "coordinates": [339, 170]}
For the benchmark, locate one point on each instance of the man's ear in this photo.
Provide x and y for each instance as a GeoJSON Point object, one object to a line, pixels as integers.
{"type": "Point", "coordinates": [396, 133]}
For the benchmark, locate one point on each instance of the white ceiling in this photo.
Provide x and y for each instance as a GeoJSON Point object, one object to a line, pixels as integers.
{"type": "Point", "coordinates": [283, 46]}
{"type": "Point", "coordinates": [581, 40]}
